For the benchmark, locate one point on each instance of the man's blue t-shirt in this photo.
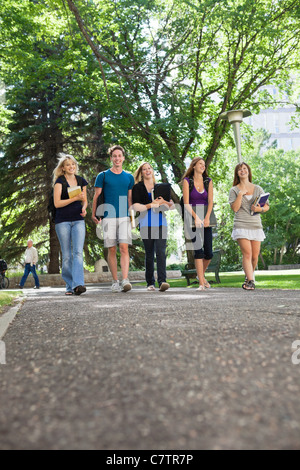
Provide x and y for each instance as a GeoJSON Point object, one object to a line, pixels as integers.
{"type": "Point", "coordinates": [116, 187]}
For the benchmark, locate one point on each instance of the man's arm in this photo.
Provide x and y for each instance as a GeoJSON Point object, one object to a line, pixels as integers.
{"type": "Point", "coordinates": [97, 193]}
{"type": "Point", "coordinates": [34, 256]}
{"type": "Point", "coordinates": [129, 198]}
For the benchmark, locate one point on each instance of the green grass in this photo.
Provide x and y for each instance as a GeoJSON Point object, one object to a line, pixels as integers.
{"type": "Point", "coordinates": [7, 298]}
{"type": "Point", "coordinates": [262, 281]}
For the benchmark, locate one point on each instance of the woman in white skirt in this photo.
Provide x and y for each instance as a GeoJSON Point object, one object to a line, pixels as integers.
{"type": "Point", "coordinates": [247, 228]}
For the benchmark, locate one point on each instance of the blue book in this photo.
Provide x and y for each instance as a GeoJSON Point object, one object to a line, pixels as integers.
{"type": "Point", "coordinates": [260, 201]}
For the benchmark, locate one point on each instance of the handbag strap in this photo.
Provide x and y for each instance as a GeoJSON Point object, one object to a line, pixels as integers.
{"type": "Point", "coordinates": [205, 182]}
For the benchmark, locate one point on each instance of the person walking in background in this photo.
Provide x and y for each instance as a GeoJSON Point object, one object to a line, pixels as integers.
{"type": "Point", "coordinates": [31, 258]}
{"type": "Point", "coordinates": [116, 185]}
{"type": "Point", "coordinates": [153, 225]}
{"type": "Point", "coordinates": [70, 200]}
{"type": "Point", "coordinates": [198, 195]}
{"type": "Point", "coordinates": [247, 228]}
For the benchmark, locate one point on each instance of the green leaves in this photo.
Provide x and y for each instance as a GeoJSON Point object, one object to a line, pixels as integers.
{"type": "Point", "coordinates": [178, 65]}
{"type": "Point", "coordinates": [153, 74]}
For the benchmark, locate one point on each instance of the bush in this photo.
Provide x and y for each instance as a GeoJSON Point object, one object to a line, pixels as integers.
{"type": "Point", "coordinates": [176, 266]}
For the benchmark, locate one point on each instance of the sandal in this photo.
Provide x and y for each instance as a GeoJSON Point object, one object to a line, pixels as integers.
{"type": "Point", "coordinates": [79, 290]}
{"type": "Point", "coordinates": [68, 293]}
{"type": "Point", "coordinates": [201, 287]}
{"type": "Point", "coordinates": [248, 285]}
{"type": "Point", "coordinates": [206, 284]}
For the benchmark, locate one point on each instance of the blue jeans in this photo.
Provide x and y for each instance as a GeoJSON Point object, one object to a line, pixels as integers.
{"type": "Point", "coordinates": [71, 236]}
{"type": "Point", "coordinates": [29, 269]}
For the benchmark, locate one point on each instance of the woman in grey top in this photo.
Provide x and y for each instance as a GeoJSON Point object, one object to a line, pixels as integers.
{"type": "Point", "coordinates": [247, 228]}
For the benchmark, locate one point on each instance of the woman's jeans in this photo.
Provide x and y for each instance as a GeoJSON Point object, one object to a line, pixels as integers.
{"type": "Point", "coordinates": [155, 243]}
{"type": "Point", "coordinates": [29, 269]}
{"type": "Point", "coordinates": [71, 236]}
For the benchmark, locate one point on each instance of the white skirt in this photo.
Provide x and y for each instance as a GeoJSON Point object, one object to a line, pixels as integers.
{"type": "Point", "coordinates": [256, 235]}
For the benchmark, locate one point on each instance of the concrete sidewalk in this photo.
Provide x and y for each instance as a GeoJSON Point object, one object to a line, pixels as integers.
{"type": "Point", "coordinates": [175, 370]}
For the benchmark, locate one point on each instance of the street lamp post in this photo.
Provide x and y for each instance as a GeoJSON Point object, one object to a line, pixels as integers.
{"type": "Point", "coordinates": [235, 117]}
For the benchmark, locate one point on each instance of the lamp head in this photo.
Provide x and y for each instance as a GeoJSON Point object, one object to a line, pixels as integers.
{"type": "Point", "coordinates": [235, 115]}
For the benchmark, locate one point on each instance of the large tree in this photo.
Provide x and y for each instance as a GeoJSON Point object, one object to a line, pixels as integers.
{"type": "Point", "coordinates": [178, 65]}
{"type": "Point", "coordinates": [54, 107]}
{"type": "Point", "coordinates": [154, 74]}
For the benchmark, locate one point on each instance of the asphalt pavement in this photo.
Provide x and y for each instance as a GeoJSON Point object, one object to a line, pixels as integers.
{"type": "Point", "coordinates": [182, 369]}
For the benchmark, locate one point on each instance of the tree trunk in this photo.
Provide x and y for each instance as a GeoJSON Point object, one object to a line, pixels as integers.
{"type": "Point", "coordinates": [281, 254]}
{"type": "Point", "coordinates": [275, 256]}
{"type": "Point", "coordinates": [52, 145]}
{"type": "Point", "coordinates": [53, 267]}
{"type": "Point", "coordinates": [296, 246]}
{"type": "Point", "coordinates": [262, 260]}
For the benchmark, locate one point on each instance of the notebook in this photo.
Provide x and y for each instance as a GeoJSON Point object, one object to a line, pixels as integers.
{"type": "Point", "coordinates": [162, 190]}
{"type": "Point", "coordinates": [260, 201]}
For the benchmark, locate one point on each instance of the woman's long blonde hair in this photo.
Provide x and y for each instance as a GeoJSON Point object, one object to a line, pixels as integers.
{"type": "Point", "coordinates": [58, 170]}
{"type": "Point", "coordinates": [138, 175]}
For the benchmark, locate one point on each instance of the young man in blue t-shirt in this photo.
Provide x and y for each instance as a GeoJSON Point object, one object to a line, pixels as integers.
{"type": "Point", "coordinates": [117, 186]}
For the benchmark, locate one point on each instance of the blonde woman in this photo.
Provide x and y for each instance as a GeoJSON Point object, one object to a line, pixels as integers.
{"type": "Point", "coordinates": [153, 225]}
{"type": "Point", "coordinates": [69, 222]}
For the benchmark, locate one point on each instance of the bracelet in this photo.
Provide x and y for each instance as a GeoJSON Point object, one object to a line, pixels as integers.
{"type": "Point", "coordinates": [262, 209]}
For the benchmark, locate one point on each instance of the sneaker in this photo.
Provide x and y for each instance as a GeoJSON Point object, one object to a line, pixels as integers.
{"type": "Point", "coordinates": [164, 286]}
{"type": "Point", "coordinates": [115, 287]}
{"type": "Point", "coordinates": [151, 288]}
{"type": "Point", "coordinates": [126, 286]}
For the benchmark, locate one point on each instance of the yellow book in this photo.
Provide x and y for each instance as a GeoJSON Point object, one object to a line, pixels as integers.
{"type": "Point", "coordinates": [74, 191]}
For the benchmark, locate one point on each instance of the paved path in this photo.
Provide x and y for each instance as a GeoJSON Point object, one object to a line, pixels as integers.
{"type": "Point", "coordinates": [174, 370]}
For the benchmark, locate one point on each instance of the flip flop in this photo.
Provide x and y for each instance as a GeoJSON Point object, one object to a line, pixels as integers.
{"type": "Point", "coordinates": [68, 293]}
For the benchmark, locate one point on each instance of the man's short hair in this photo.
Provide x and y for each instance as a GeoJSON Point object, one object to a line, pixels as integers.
{"type": "Point", "coordinates": [115, 147]}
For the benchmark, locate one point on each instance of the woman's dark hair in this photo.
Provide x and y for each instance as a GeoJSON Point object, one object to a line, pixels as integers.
{"type": "Point", "coordinates": [190, 171]}
{"type": "Point", "coordinates": [236, 179]}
